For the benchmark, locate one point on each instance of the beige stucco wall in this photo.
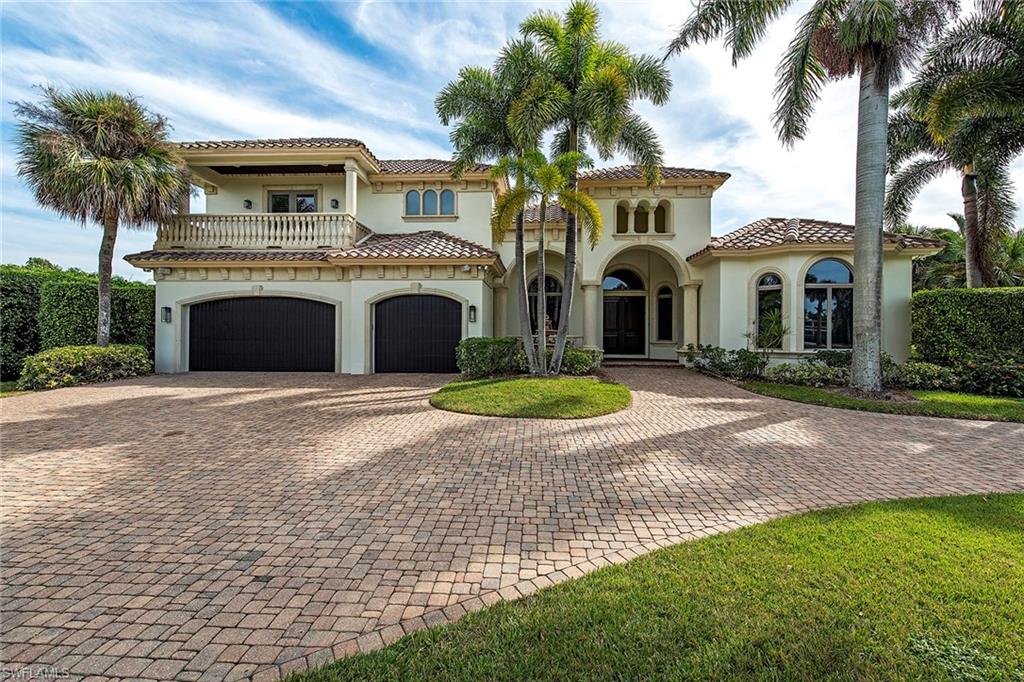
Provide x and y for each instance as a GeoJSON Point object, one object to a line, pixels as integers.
{"type": "Point", "coordinates": [231, 196]}
{"type": "Point", "coordinates": [728, 297]}
{"type": "Point", "coordinates": [353, 299]}
{"type": "Point", "coordinates": [382, 211]}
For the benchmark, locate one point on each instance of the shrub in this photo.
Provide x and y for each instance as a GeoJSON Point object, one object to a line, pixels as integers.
{"type": "Point", "coordinates": [816, 374]}
{"type": "Point", "coordinates": [831, 358]}
{"type": "Point", "coordinates": [925, 376]}
{"type": "Point", "coordinates": [481, 357]}
{"type": "Point", "coordinates": [738, 364]}
{"type": "Point", "coordinates": [67, 314]}
{"type": "Point", "coordinates": [581, 361]}
{"type": "Point", "coordinates": [950, 326]}
{"type": "Point", "coordinates": [71, 365]}
{"type": "Point", "coordinates": [993, 375]}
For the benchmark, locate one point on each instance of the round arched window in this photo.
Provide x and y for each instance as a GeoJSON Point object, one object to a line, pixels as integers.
{"type": "Point", "coordinates": [412, 203]}
{"type": "Point", "coordinates": [553, 301]}
{"type": "Point", "coordinates": [447, 202]}
{"type": "Point", "coordinates": [828, 305]}
{"type": "Point", "coordinates": [769, 311]}
{"type": "Point", "coordinates": [622, 280]}
{"type": "Point", "coordinates": [430, 202]}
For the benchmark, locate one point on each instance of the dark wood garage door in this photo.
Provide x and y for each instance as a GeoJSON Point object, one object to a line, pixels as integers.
{"type": "Point", "coordinates": [261, 334]}
{"type": "Point", "coordinates": [416, 334]}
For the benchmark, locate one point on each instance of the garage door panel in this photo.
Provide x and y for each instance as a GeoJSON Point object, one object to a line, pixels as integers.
{"type": "Point", "coordinates": [262, 334]}
{"type": "Point", "coordinates": [416, 333]}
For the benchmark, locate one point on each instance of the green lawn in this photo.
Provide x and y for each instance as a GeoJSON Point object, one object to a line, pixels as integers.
{"type": "Point", "coordinates": [919, 589]}
{"type": "Point", "coordinates": [549, 398]}
{"type": "Point", "coordinates": [932, 403]}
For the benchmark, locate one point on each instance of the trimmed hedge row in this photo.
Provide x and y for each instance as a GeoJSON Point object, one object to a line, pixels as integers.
{"type": "Point", "coordinates": [482, 357]}
{"type": "Point", "coordinates": [70, 312]}
{"type": "Point", "coordinates": [952, 326]}
{"type": "Point", "coordinates": [72, 365]}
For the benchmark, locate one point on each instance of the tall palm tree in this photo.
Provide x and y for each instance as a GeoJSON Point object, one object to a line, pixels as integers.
{"type": "Point", "coordinates": [930, 133]}
{"type": "Point", "coordinates": [588, 88]}
{"type": "Point", "coordinates": [835, 39]}
{"type": "Point", "coordinates": [100, 156]}
{"type": "Point", "coordinates": [542, 181]}
{"type": "Point", "coordinates": [479, 103]}
{"type": "Point", "coordinates": [945, 269]}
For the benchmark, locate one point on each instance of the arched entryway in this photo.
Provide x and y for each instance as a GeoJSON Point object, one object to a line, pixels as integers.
{"type": "Point", "coordinates": [625, 313]}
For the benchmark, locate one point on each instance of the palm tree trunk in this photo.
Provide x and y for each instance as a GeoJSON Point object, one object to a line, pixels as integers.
{"type": "Point", "coordinates": [525, 330]}
{"type": "Point", "coordinates": [103, 283]}
{"type": "Point", "coordinates": [569, 275]}
{"type": "Point", "coordinates": [872, 128]}
{"type": "Point", "coordinates": [542, 298]}
{"type": "Point", "coordinates": [969, 191]}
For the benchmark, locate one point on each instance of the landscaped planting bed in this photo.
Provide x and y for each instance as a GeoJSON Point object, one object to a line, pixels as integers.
{"type": "Point", "coordinates": [916, 589]}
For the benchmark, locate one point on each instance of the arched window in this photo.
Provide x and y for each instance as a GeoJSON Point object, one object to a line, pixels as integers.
{"type": "Point", "coordinates": [412, 203]}
{"type": "Point", "coordinates": [769, 325]}
{"type": "Point", "coordinates": [828, 305]}
{"type": "Point", "coordinates": [553, 291]}
{"type": "Point", "coordinates": [447, 202]}
{"type": "Point", "coordinates": [664, 314]}
{"type": "Point", "coordinates": [621, 219]}
{"type": "Point", "coordinates": [640, 219]}
{"type": "Point", "coordinates": [430, 202]}
{"type": "Point", "coordinates": [661, 218]}
{"type": "Point", "coordinates": [622, 280]}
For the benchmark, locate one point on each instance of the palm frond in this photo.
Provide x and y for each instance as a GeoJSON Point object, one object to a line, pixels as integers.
{"type": "Point", "coordinates": [640, 145]}
{"type": "Point", "coordinates": [588, 215]}
{"type": "Point", "coordinates": [907, 184]}
{"type": "Point", "coordinates": [508, 206]}
{"type": "Point", "coordinates": [741, 23]}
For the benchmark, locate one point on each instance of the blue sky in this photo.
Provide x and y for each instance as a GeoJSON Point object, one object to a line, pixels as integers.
{"type": "Point", "coordinates": [370, 70]}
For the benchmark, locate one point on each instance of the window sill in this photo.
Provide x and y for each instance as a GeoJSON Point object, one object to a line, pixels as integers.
{"type": "Point", "coordinates": [430, 218]}
{"type": "Point", "coordinates": [643, 235]}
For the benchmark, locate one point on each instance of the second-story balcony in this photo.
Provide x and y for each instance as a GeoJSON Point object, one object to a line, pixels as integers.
{"type": "Point", "coordinates": [259, 231]}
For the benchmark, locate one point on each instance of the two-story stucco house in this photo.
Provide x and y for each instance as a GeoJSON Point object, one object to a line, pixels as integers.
{"type": "Point", "coordinates": [315, 255]}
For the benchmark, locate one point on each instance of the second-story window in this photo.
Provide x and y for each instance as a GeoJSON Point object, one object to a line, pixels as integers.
{"type": "Point", "coordinates": [292, 201]}
{"type": "Point", "coordinates": [430, 203]}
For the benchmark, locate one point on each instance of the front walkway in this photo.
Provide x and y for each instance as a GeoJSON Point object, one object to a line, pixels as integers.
{"type": "Point", "coordinates": [231, 525]}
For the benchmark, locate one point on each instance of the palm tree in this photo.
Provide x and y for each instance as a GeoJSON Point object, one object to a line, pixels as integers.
{"type": "Point", "coordinates": [931, 133]}
{"type": "Point", "coordinates": [542, 181]}
{"type": "Point", "coordinates": [588, 89]}
{"type": "Point", "coordinates": [836, 39]}
{"type": "Point", "coordinates": [480, 102]}
{"type": "Point", "coordinates": [100, 156]}
{"type": "Point", "coordinates": [947, 268]}
{"type": "Point", "coordinates": [1009, 259]}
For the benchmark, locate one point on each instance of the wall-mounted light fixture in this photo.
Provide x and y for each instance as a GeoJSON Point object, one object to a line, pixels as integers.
{"type": "Point", "coordinates": [472, 313]}
{"type": "Point", "coordinates": [165, 314]}
{"type": "Point", "coordinates": [334, 203]}
{"type": "Point", "coordinates": [247, 204]}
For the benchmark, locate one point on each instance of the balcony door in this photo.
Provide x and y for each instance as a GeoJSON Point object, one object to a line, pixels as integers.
{"type": "Point", "coordinates": [292, 201]}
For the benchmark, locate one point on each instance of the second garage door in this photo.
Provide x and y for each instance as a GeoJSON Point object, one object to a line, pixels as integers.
{"type": "Point", "coordinates": [261, 334]}
{"type": "Point", "coordinates": [416, 333]}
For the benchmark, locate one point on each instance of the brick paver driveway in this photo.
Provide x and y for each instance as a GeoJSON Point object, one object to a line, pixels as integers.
{"type": "Point", "coordinates": [234, 525]}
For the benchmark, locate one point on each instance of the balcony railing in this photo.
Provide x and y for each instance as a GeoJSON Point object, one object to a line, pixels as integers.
{"type": "Point", "coordinates": [259, 231]}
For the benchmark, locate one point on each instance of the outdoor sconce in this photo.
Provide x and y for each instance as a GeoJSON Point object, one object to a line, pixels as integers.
{"type": "Point", "coordinates": [247, 204]}
{"type": "Point", "coordinates": [165, 314]}
{"type": "Point", "coordinates": [334, 203]}
{"type": "Point", "coordinates": [472, 313]}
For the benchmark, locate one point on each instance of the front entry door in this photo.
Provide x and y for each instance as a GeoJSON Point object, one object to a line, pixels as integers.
{"type": "Point", "coordinates": [624, 322]}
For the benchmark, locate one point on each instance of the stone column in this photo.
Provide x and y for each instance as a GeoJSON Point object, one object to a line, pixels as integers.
{"type": "Point", "coordinates": [630, 219]}
{"type": "Point", "coordinates": [591, 306]}
{"type": "Point", "coordinates": [690, 320]}
{"type": "Point", "coordinates": [351, 187]}
{"type": "Point", "coordinates": [500, 310]}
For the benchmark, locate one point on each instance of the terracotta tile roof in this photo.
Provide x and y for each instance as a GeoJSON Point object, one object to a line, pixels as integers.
{"type": "Point", "coordinates": [221, 255]}
{"type": "Point", "coordinates": [425, 244]}
{"type": "Point", "coordinates": [768, 232]}
{"type": "Point", "coordinates": [554, 213]}
{"type": "Point", "coordinates": [278, 143]}
{"type": "Point", "coordinates": [636, 173]}
{"type": "Point", "coordinates": [416, 166]}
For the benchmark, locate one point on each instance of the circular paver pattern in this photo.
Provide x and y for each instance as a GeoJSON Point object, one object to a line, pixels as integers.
{"type": "Point", "coordinates": [226, 526]}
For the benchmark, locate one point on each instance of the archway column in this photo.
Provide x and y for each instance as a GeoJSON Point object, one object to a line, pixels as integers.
{"type": "Point", "coordinates": [690, 321]}
{"type": "Point", "coordinates": [591, 303]}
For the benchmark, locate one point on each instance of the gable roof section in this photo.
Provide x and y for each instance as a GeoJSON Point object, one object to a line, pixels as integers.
{"type": "Point", "coordinates": [555, 214]}
{"type": "Point", "coordinates": [768, 233]}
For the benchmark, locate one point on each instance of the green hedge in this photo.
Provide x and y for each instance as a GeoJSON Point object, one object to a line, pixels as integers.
{"type": "Point", "coordinates": [504, 355]}
{"type": "Point", "coordinates": [950, 326]}
{"type": "Point", "coordinates": [67, 314]}
{"type": "Point", "coordinates": [21, 292]}
{"type": "Point", "coordinates": [71, 365]}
